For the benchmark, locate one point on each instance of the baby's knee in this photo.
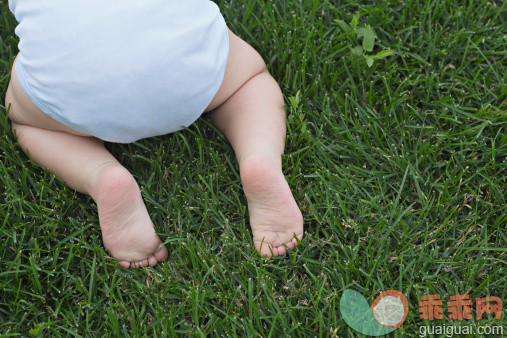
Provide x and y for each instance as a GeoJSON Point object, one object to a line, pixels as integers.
{"type": "Point", "coordinates": [10, 95]}
{"type": "Point", "coordinates": [9, 103]}
{"type": "Point", "coordinates": [258, 65]}
{"type": "Point", "coordinates": [8, 99]}
{"type": "Point", "coordinates": [12, 102]}
{"type": "Point", "coordinates": [18, 132]}
{"type": "Point", "coordinates": [10, 108]}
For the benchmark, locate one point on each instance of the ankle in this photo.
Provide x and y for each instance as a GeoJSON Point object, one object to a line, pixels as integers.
{"type": "Point", "coordinates": [256, 169]}
{"type": "Point", "coordinates": [106, 174]}
{"type": "Point", "coordinates": [256, 159]}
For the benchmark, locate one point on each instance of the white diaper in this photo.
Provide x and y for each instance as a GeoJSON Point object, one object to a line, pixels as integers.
{"type": "Point", "coordinates": [121, 70]}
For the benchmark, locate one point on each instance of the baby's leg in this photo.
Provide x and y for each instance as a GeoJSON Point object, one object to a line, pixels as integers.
{"type": "Point", "coordinates": [249, 109]}
{"type": "Point", "coordinates": [85, 165]}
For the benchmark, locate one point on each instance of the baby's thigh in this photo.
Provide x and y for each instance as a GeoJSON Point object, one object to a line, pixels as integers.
{"type": "Point", "coordinates": [243, 63]}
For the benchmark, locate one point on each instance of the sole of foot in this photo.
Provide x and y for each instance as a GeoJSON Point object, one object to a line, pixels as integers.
{"type": "Point", "coordinates": [127, 231]}
{"type": "Point", "coordinates": [275, 218]}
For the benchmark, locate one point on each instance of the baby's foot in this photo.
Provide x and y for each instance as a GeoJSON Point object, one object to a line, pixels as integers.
{"type": "Point", "coordinates": [274, 215]}
{"type": "Point", "coordinates": [127, 231]}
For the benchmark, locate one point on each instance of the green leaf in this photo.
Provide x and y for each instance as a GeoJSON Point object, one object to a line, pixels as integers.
{"type": "Point", "coordinates": [382, 54]}
{"type": "Point", "coordinates": [368, 37]}
{"type": "Point", "coordinates": [37, 330]}
{"type": "Point", "coordinates": [357, 51]}
{"type": "Point", "coordinates": [295, 100]}
{"type": "Point", "coordinates": [356, 312]}
{"type": "Point", "coordinates": [343, 25]}
{"type": "Point", "coordinates": [369, 61]}
{"type": "Point", "coordinates": [355, 21]}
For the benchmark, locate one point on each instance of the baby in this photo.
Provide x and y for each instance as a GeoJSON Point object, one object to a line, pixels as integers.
{"type": "Point", "coordinates": [121, 70]}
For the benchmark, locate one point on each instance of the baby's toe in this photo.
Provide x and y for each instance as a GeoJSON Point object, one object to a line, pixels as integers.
{"type": "Point", "coordinates": [144, 262]}
{"type": "Point", "coordinates": [124, 264]}
{"type": "Point", "coordinates": [152, 261]}
{"type": "Point", "coordinates": [281, 250]}
{"type": "Point", "coordinates": [161, 254]}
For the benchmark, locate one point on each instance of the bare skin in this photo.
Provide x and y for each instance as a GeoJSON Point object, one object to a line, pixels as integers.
{"type": "Point", "coordinates": [248, 109]}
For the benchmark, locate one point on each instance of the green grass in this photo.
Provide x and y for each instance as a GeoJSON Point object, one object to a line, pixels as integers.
{"type": "Point", "coordinates": [399, 169]}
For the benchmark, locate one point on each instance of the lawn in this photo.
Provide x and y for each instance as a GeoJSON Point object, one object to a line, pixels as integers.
{"type": "Point", "coordinates": [399, 170]}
